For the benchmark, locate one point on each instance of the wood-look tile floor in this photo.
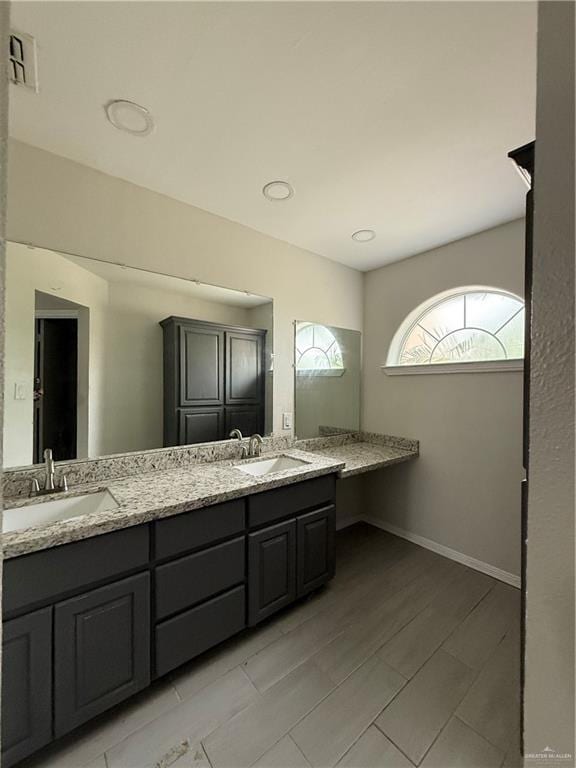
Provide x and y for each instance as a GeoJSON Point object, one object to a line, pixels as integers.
{"type": "Point", "coordinates": [405, 659]}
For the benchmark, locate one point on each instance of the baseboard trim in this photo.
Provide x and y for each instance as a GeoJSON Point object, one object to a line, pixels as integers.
{"type": "Point", "coordinates": [346, 522]}
{"type": "Point", "coordinates": [440, 549]}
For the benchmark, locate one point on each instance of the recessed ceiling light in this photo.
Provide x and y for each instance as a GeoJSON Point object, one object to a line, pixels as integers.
{"type": "Point", "coordinates": [276, 191]}
{"type": "Point", "coordinates": [130, 117]}
{"type": "Point", "coordinates": [364, 235]}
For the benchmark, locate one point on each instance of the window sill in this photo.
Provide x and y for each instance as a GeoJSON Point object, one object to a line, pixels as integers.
{"type": "Point", "coordinates": [493, 366]}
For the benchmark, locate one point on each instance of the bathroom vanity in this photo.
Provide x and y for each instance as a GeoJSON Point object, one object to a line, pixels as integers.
{"type": "Point", "coordinates": [91, 622]}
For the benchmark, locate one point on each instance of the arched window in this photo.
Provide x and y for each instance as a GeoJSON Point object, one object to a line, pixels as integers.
{"type": "Point", "coordinates": [317, 349]}
{"type": "Point", "coordinates": [467, 325]}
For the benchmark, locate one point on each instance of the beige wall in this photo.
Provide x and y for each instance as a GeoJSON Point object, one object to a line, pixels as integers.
{"type": "Point", "coordinates": [464, 490]}
{"type": "Point", "coordinates": [27, 271]}
{"type": "Point", "coordinates": [62, 205]}
{"type": "Point", "coordinates": [549, 682]}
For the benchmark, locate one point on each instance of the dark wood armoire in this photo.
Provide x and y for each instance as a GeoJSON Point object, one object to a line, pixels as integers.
{"type": "Point", "coordinates": [214, 380]}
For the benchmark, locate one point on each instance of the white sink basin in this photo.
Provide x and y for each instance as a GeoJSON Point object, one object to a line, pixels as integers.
{"type": "Point", "coordinates": [270, 466]}
{"type": "Point", "coordinates": [44, 512]}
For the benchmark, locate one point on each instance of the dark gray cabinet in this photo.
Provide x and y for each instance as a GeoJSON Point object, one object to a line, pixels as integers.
{"type": "Point", "coordinates": [213, 380]}
{"type": "Point", "coordinates": [101, 650]}
{"type": "Point", "coordinates": [272, 570]}
{"type": "Point", "coordinates": [90, 623]}
{"type": "Point", "coordinates": [26, 685]}
{"type": "Point", "coordinates": [316, 549]}
{"type": "Point", "coordinates": [291, 550]}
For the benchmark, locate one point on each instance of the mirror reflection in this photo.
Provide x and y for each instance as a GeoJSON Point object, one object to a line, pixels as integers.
{"type": "Point", "coordinates": [104, 359]}
{"type": "Point", "coordinates": [327, 379]}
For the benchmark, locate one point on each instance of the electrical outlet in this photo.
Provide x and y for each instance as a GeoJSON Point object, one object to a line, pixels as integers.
{"type": "Point", "coordinates": [287, 420]}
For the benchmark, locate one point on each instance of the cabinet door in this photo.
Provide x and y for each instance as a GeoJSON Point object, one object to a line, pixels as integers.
{"type": "Point", "coordinates": [201, 365]}
{"type": "Point", "coordinates": [101, 650]}
{"type": "Point", "coordinates": [316, 549]}
{"type": "Point", "coordinates": [244, 366]}
{"type": "Point", "coordinates": [247, 418]}
{"type": "Point", "coordinates": [26, 685]}
{"type": "Point", "coordinates": [199, 425]}
{"type": "Point", "coordinates": [271, 570]}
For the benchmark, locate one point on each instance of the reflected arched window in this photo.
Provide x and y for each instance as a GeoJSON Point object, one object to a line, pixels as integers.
{"type": "Point", "coordinates": [317, 349]}
{"type": "Point", "coordinates": [467, 325]}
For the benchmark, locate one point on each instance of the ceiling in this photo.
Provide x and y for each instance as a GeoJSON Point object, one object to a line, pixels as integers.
{"type": "Point", "coordinates": [395, 117]}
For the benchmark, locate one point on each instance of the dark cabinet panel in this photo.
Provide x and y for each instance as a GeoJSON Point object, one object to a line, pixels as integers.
{"type": "Point", "coordinates": [316, 542]}
{"type": "Point", "coordinates": [199, 425]}
{"type": "Point", "coordinates": [207, 367]}
{"type": "Point", "coordinates": [101, 650]}
{"type": "Point", "coordinates": [26, 685]}
{"type": "Point", "coordinates": [284, 502]}
{"type": "Point", "coordinates": [199, 527]}
{"type": "Point", "coordinates": [184, 582]}
{"type": "Point", "coordinates": [271, 570]}
{"type": "Point", "coordinates": [51, 573]}
{"type": "Point", "coordinates": [191, 633]}
{"type": "Point", "coordinates": [201, 365]}
{"type": "Point", "coordinates": [244, 362]}
{"type": "Point", "coordinates": [248, 419]}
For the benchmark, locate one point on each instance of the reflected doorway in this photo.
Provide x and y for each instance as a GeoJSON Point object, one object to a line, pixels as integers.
{"type": "Point", "coordinates": [55, 378]}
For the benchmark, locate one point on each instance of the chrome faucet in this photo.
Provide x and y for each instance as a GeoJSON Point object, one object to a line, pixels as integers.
{"type": "Point", "coordinates": [48, 471]}
{"type": "Point", "coordinates": [238, 435]}
{"type": "Point", "coordinates": [49, 475]}
{"type": "Point", "coordinates": [255, 445]}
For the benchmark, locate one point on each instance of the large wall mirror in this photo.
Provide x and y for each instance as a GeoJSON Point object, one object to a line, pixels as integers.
{"type": "Point", "coordinates": [104, 359]}
{"type": "Point", "coordinates": [327, 365]}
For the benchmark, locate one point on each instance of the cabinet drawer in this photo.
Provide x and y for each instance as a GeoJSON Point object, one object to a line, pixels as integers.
{"type": "Point", "coordinates": [198, 528]}
{"type": "Point", "coordinates": [273, 505]}
{"type": "Point", "coordinates": [182, 638]}
{"type": "Point", "coordinates": [190, 579]}
{"type": "Point", "coordinates": [52, 573]}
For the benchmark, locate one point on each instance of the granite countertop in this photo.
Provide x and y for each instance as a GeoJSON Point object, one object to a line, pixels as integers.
{"type": "Point", "coordinates": [364, 456]}
{"type": "Point", "coordinates": [154, 494]}
{"type": "Point", "coordinates": [160, 494]}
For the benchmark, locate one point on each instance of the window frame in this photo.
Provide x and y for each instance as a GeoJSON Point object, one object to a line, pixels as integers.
{"type": "Point", "coordinates": [392, 368]}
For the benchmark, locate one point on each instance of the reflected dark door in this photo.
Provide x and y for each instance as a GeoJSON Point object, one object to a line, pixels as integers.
{"type": "Point", "coordinates": [55, 388]}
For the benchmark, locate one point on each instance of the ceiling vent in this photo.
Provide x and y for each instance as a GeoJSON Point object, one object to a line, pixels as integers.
{"type": "Point", "coordinates": [23, 63]}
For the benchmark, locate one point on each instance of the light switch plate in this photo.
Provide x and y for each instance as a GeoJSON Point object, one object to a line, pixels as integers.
{"type": "Point", "coordinates": [19, 391]}
{"type": "Point", "coordinates": [287, 420]}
